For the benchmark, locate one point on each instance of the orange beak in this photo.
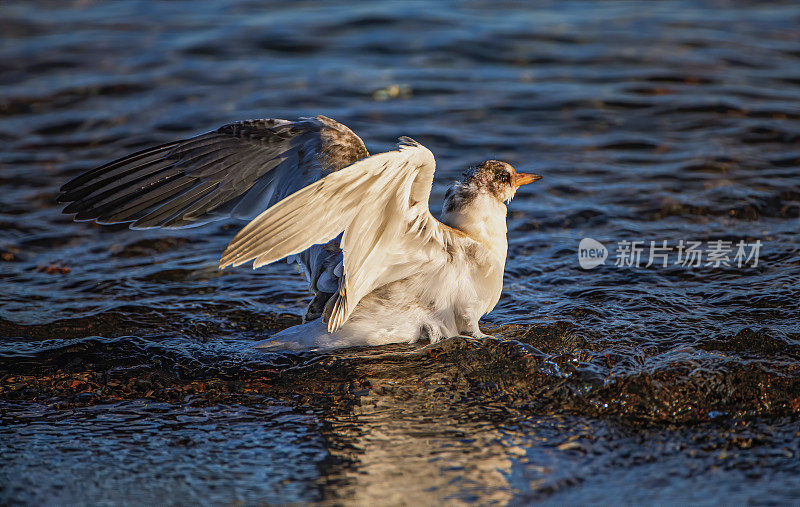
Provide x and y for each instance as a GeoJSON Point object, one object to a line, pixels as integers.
{"type": "Point", "coordinates": [525, 178]}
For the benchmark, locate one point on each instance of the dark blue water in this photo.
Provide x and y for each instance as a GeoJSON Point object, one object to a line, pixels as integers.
{"type": "Point", "coordinates": [124, 369]}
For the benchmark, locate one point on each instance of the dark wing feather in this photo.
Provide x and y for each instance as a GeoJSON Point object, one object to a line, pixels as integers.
{"type": "Point", "coordinates": [238, 170]}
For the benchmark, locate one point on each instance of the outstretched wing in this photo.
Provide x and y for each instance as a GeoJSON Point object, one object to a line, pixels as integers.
{"type": "Point", "coordinates": [381, 205]}
{"type": "Point", "coordinates": [238, 170]}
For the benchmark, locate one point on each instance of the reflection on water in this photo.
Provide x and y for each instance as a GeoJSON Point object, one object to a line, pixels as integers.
{"type": "Point", "coordinates": [413, 449]}
{"type": "Point", "coordinates": [124, 363]}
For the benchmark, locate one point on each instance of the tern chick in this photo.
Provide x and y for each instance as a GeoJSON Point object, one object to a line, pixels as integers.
{"type": "Point", "coordinates": [382, 268]}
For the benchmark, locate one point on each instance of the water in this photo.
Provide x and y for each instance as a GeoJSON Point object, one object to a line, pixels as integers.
{"type": "Point", "coordinates": [124, 368]}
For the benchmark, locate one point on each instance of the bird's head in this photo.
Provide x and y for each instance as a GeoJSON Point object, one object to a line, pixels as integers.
{"type": "Point", "coordinates": [498, 179]}
{"type": "Point", "coordinates": [477, 203]}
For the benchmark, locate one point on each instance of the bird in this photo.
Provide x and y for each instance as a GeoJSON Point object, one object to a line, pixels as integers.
{"type": "Point", "coordinates": [381, 267]}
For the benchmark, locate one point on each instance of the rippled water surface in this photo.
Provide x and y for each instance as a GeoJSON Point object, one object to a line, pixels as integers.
{"type": "Point", "coordinates": [125, 373]}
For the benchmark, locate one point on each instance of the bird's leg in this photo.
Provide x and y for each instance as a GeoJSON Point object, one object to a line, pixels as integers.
{"type": "Point", "coordinates": [468, 326]}
{"type": "Point", "coordinates": [316, 306]}
{"type": "Point", "coordinates": [476, 333]}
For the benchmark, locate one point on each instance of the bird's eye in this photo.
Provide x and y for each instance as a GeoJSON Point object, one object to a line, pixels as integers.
{"type": "Point", "coordinates": [504, 177]}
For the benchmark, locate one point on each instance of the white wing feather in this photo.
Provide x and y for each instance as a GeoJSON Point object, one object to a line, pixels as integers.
{"type": "Point", "coordinates": [381, 205]}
